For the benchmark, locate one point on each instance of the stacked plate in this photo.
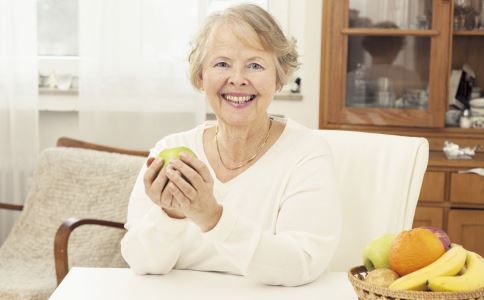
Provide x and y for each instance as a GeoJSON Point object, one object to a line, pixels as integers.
{"type": "Point", "coordinates": [477, 107]}
{"type": "Point", "coordinates": [477, 112]}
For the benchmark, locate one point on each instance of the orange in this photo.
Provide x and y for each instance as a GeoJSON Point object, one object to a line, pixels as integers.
{"type": "Point", "coordinates": [414, 249]}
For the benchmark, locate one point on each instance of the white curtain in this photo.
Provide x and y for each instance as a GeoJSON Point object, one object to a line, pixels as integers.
{"type": "Point", "coordinates": [18, 104]}
{"type": "Point", "coordinates": [133, 71]}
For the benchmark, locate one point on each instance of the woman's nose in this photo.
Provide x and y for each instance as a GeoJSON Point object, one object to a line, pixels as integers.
{"type": "Point", "coordinates": [237, 78]}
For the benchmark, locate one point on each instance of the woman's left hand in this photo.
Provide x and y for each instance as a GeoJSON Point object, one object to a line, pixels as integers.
{"type": "Point", "coordinates": [192, 189]}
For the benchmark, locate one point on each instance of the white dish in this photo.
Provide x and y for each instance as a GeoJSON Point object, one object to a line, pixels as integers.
{"type": "Point", "coordinates": [477, 111]}
{"type": "Point", "coordinates": [479, 102]}
{"type": "Point", "coordinates": [478, 171]}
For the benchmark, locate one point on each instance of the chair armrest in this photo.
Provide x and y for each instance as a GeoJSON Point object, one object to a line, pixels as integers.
{"type": "Point", "coordinates": [62, 239]}
{"type": "Point", "coordinates": [73, 143]}
{"type": "Point", "coordinates": [11, 206]}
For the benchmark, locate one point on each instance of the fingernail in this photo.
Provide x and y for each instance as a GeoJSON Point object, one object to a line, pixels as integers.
{"type": "Point", "coordinates": [149, 161]}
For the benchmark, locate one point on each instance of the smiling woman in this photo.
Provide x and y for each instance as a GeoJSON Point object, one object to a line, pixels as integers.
{"type": "Point", "coordinates": [250, 74]}
{"type": "Point", "coordinates": [259, 199]}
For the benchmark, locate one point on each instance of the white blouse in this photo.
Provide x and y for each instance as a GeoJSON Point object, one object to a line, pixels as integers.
{"type": "Point", "coordinates": [280, 223]}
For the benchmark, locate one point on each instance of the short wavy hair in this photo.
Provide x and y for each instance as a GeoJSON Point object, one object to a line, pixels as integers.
{"type": "Point", "coordinates": [253, 26]}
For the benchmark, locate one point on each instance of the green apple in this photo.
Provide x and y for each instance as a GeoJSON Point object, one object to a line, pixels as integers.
{"type": "Point", "coordinates": [376, 252]}
{"type": "Point", "coordinates": [174, 153]}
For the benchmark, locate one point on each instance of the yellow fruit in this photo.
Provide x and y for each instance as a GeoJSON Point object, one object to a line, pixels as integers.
{"type": "Point", "coordinates": [448, 264]}
{"type": "Point", "coordinates": [414, 249]}
{"type": "Point", "coordinates": [472, 279]}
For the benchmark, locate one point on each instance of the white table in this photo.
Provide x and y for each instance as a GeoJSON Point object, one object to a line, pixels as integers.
{"type": "Point", "coordinates": [120, 284]}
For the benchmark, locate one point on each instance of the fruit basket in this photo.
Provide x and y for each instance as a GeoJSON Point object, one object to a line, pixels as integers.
{"type": "Point", "coordinates": [367, 291]}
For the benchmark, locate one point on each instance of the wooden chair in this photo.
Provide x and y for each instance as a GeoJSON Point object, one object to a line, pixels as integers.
{"type": "Point", "coordinates": [65, 230]}
{"type": "Point", "coordinates": [77, 183]}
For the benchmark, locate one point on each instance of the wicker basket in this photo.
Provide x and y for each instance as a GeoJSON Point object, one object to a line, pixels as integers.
{"type": "Point", "coordinates": [368, 291]}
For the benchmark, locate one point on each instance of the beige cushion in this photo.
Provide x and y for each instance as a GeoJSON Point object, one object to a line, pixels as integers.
{"type": "Point", "coordinates": [68, 182]}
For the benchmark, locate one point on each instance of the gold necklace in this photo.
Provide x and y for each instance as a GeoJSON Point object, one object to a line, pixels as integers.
{"type": "Point", "coordinates": [246, 162]}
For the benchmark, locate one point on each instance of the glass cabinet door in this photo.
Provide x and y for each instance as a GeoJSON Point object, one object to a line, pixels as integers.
{"type": "Point", "coordinates": [467, 47]}
{"type": "Point", "coordinates": [384, 72]}
{"type": "Point", "coordinates": [393, 56]}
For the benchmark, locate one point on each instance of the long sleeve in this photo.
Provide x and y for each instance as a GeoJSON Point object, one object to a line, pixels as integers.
{"type": "Point", "coordinates": [153, 245]}
{"type": "Point", "coordinates": [153, 242]}
{"type": "Point", "coordinates": [306, 232]}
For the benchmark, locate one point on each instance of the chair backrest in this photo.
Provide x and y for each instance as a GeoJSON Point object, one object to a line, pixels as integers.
{"type": "Point", "coordinates": [68, 182]}
{"type": "Point", "coordinates": [380, 177]}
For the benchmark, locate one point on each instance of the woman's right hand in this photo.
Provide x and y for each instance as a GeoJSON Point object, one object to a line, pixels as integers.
{"type": "Point", "coordinates": [155, 182]}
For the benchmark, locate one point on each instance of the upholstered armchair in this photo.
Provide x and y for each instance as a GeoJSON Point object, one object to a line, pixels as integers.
{"type": "Point", "coordinates": [71, 187]}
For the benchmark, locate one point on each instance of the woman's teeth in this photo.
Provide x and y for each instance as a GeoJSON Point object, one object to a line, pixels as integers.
{"type": "Point", "coordinates": [238, 99]}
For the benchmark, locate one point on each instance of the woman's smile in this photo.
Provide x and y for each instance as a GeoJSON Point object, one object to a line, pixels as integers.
{"type": "Point", "coordinates": [238, 100]}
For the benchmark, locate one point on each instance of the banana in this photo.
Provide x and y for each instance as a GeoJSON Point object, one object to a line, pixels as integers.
{"type": "Point", "coordinates": [450, 263]}
{"type": "Point", "coordinates": [472, 279]}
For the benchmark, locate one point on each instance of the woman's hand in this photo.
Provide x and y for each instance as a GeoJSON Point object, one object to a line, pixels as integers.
{"type": "Point", "coordinates": [155, 182]}
{"type": "Point", "coordinates": [191, 185]}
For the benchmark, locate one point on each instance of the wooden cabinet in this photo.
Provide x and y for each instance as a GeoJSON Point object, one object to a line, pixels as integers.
{"type": "Point", "coordinates": [386, 67]}
{"type": "Point", "coordinates": [466, 227]}
{"type": "Point", "coordinates": [453, 201]}
{"type": "Point", "coordinates": [433, 187]}
{"type": "Point", "coordinates": [466, 188]}
{"type": "Point", "coordinates": [428, 216]}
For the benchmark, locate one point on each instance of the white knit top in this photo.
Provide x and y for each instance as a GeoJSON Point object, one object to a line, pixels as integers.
{"type": "Point", "coordinates": [280, 223]}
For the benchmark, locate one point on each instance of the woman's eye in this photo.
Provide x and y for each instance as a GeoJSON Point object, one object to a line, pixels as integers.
{"type": "Point", "coordinates": [256, 66]}
{"type": "Point", "coordinates": [221, 64]}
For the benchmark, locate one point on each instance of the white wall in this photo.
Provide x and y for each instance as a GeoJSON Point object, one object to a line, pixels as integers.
{"type": "Point", "coordinates": [53, 125]}
{"type": "Point", "coordinates": [304, 23]}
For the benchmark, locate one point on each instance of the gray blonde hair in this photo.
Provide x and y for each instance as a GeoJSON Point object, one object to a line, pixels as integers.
{"type": "Point", "coordinates": [253, 26]}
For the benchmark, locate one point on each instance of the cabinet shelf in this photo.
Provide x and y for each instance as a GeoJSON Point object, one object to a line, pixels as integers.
{"type": "Point", "coordinates": [388, 32]}
{"type": "Point", "coordinates": [469, 33]}
{"type": "Point", "coordinates": [454, 131]}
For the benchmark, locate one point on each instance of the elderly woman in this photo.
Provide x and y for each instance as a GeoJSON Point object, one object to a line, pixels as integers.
{"type": "Point", "coordinates": [259, 199]}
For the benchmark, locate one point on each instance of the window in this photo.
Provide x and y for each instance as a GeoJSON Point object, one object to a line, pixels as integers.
{"type": "Point", "coordinates": [57, 23]}
{"type": "Point", "coordinates": [57, 42]}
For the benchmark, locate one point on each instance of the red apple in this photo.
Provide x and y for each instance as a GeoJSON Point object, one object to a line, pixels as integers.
{"type": "Point", "coordinates": [442, 235]}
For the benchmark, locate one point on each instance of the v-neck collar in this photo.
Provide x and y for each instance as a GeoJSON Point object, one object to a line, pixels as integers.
{"type": "Point", "coordinates": [255, 165]}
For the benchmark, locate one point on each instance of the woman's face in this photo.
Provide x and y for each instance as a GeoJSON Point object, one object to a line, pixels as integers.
{"type": "Point", "coordinates": [239, 81]}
